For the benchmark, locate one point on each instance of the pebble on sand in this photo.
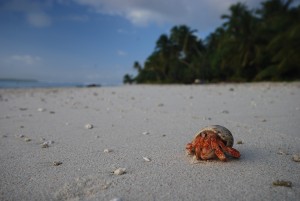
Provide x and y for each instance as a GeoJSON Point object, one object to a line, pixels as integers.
{"type": "Point", "coordinates": [27, 139]}
{"type": "Point", "coordinates": [45, 145]}
{"type": "Point", "coordinates": [57, 163]}
{"type": "Point", "coordinates": [296, 157]}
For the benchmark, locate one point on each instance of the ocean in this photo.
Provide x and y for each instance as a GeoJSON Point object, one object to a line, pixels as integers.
{"type": "Point", "coordinates": [19, 83]}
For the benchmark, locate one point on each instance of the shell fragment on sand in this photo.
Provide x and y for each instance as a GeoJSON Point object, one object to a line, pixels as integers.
{"type": "Point", "coordinates": [119, 171]}
{"type": "Point", "coordinates": [46, 144]}
{"type": "Point", "coordinates": [41, 109]}
{"type": "Point", "coordinates": [116, 199]}
{"type": "Point", "coordinates": [107, 150]}
{"type": "Point", "coordinates": [147, 159]}
{"type": "Point", "coordinates": [89, 126]}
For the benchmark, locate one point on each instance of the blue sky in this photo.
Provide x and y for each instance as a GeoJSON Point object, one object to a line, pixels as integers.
{"type": "Point", "coordinates": [93, 41]}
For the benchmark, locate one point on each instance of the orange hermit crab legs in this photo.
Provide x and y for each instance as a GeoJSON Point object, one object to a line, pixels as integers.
{"type": "Point", "coordinates": [212, 141]}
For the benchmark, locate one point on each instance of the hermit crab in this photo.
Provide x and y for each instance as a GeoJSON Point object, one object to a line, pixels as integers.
{"type": "Point", "coordinates": [212, 141]}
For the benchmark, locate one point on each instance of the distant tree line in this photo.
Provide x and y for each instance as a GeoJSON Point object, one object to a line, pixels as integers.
{"type": "Point", "coordinates": [251, 45]}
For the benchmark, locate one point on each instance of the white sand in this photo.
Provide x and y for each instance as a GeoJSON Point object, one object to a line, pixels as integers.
{"type": "Point", "coordinates": [155, 122]}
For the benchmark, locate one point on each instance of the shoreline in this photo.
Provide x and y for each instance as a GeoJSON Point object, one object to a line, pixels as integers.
{"type": "Point", "coordinates": [60, 85]}
{"type": "Point", "coordinates": [49, 152]}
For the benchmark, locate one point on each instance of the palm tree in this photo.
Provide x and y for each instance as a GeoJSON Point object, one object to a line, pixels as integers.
{"type": "Point", "coordinates": [240, 40]}
{"type": "Point", "coordinates": [137, 66]}
{"type": "Point", "coordinates": [128, 79]}
{"type": "Point", "coordinates": [281, 34]}
{"type": "Point", "coordinates": [260, 44]}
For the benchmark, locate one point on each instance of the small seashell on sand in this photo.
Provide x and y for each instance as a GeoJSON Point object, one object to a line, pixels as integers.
{"type": "Point", "coordinates": [89, 126]}
{"type": "Point", "coordinates": [296, 157]}
{"type": "Point", "coordinates": [107, 150]}
{"type": "Point", "coordinates": [119, 171]}
{"type": "Point", "coordinates": [147, 159]}
{"type": "Point", "coordinates": [41, 109]}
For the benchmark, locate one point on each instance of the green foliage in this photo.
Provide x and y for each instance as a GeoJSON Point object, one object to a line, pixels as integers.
{"type": "Point", "coordinates": [251, 45]}
{"type": "Point", "coordinates": [128, 79]}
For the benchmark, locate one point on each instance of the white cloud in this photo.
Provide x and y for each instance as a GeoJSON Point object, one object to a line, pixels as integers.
{"type": "Point", "coordinates": [199, 14]}
{"type": "Point", "coordinates": [33, 11]}
{"type": "Point", "coordinates": [38, 19]}
{"type": "Point", "coordinates": [142, 17]}
{"type": "Point", "coordinates": [121, 53]}
{"type": "Point", "coordinates": [24, 59]}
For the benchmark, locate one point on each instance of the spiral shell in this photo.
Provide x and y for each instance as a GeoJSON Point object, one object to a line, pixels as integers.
{"type": "Point", "coordinates": [221, 131]}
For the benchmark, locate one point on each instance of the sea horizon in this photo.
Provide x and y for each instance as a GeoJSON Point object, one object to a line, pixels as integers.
{"type": "Point", "coordinates": [11, 83]}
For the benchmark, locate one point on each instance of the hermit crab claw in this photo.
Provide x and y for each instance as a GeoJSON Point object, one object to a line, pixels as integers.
{"type": "Point", "coordinates": [211, 141]}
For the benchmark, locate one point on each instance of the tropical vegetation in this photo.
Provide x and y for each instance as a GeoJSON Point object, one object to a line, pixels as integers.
{"type": "Point", "coordinates": [251, 45]}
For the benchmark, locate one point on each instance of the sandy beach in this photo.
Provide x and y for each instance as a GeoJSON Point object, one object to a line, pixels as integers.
{"type": "Point", "coordinates": [66, 143]}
